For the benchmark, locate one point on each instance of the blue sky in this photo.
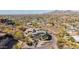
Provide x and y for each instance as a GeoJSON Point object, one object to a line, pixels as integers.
{"type": "Point", "coordinates": [8, 12]}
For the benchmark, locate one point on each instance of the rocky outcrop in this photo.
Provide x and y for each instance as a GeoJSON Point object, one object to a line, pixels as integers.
{"type": "Point", "coordinates": [7, 21]}
{"type": "Point", "coordinates": [7, 41]}
{"type": "Point", "coordinates": [39, 39]}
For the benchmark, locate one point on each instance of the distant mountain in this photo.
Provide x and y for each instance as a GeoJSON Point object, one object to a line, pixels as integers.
{"type": "Point", "coordinates": [64, 12]}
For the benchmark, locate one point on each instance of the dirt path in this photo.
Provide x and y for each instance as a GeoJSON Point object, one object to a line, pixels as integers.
{"type": "Point", "coordinates": [54, 39]}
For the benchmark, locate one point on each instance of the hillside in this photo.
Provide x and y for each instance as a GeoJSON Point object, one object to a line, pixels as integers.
{"type": "Point", "coordinates": [52, 30]}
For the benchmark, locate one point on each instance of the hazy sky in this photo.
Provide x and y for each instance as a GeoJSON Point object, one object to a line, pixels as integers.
{"type": "Point", "coordinates": [4, 12]}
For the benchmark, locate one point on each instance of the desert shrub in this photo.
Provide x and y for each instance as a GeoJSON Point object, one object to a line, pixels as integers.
{"type": "Point", "coordinates": [19, 35]}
